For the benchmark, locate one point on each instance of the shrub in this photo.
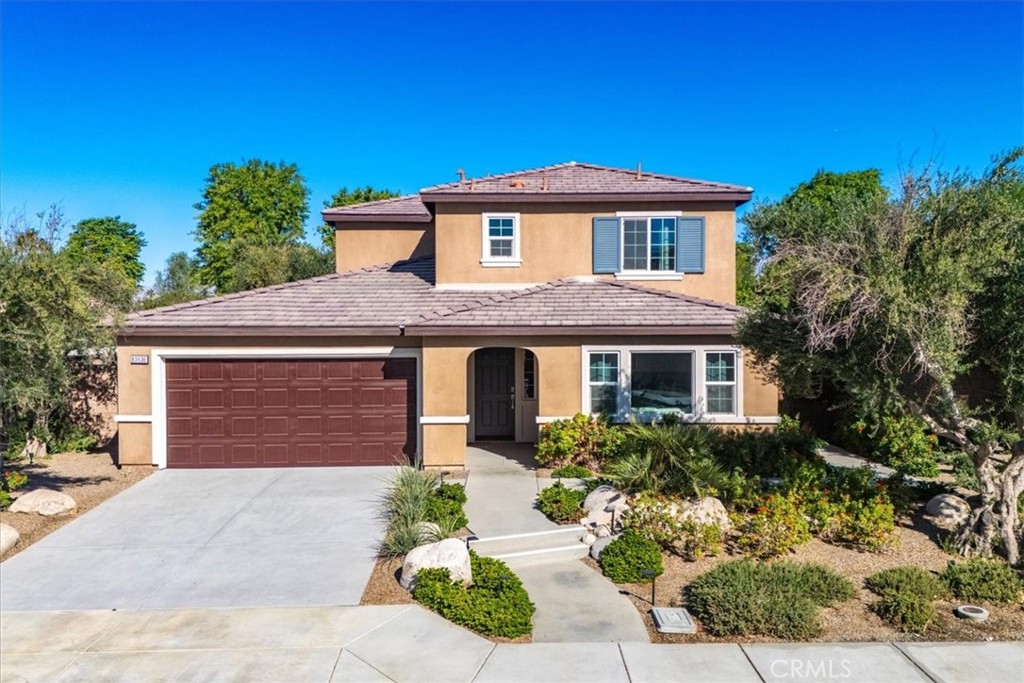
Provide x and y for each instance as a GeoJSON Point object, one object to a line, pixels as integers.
{"type": "Point", "coordinates": [572, 472]}
{"type": "Point", "coordinates": [982, 579]}
{"type": "Point", "coordinates": [778, 453]}
{"type": "Point", "coordinates": [579, 440]}
{"type": "Point", "coordinates": [779, 600]}
{"type": "Point", "coordinates": [5, 500]}
{"type": "Point", "coordinates": [775, 528]}
{"type": "Point", "coordinates": [561, 504]}
{"type": "Point", "coordinates": [496, 604]}
{"type": "Point", "coordinates": [907, 596]}
{"type": "Point", "coordinates": [12, 480]}
{"type": "Point", "coordinates": [630, 557]}
{"type": "Point", "coordinates": [865, 524]}
{"type": "Point", "coordinates": [697, 540]}
{"type": "Point", "coordinates": [668, 458]}
{"type": "Point", "coordinates": [655, 518]}
{"type": "Point", "coordinates": [899, 441]}
{"type": "Point", "coordinates": [414, 498]}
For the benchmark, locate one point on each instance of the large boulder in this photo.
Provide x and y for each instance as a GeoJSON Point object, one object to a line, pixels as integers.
{"type": "Point", "coordinates": [600, 544]}
{"type": "Point", "coordinates": [46, 502]}
{"type": "Point", "coordinates": [948, 510]}
{"type": "Point", "coordinates": [599, 498]}
{"type": "Point", "coordinates": [707, 510]}
{"type": "Point", "coordinates": [9, 537]}
{"type": "Point", "coordinates": [450, 554]}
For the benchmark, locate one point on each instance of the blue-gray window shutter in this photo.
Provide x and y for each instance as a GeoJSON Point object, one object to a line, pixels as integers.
{"type": "Point", "coordinates": [690, 244]}
{"type": "Point", "coordinates": [606, 245]}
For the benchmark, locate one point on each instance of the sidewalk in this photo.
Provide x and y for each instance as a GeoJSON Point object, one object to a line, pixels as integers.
{"type": "Point", "coordinates": [410, 644]}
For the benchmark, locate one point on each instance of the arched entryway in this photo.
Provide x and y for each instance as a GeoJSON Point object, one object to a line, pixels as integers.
{"type": "Point", "coordinates": [502, 394]}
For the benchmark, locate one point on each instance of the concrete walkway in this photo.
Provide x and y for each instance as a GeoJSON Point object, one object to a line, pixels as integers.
{"type": "Point", "coordinates": [409, 644]}
{"type": "Point", "coordinates": [574, 603]}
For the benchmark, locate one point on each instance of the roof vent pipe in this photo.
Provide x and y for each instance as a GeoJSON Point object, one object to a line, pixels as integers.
{"type": "Point", "coordinates": [462, 176]}
{"type": "Point", "coordinates": [638, 172]}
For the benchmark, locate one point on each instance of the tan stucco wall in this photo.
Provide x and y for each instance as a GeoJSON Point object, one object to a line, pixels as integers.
{"type": "Point", "coordinates": [370, 244]}
{"type": "Point", "coordinates": [444, 445]}
{"type": "Point", "coordinates": [556, 242]}
{"type": "Point", "coordinates": [760, 397]}
{"type": "Point", "coordinates": [135, 443]}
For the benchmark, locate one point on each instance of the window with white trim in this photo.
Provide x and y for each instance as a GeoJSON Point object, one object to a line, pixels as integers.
{"type": "Point", "coordinates": [500, 239]}
{"type": "Point", "coordinates": [649, 244]}
{"type": "Point", "coordinates": [720, 382]}
{"type": "Point", "coordinates": [648, 383]}
{"type": "Point", "coordinates": [603, 383]}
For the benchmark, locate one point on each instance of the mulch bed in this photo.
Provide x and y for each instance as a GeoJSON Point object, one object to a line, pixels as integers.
{"type": "Point", "coordinates": [89, 478]}
{"type": "Point", "coordinates": [849, 621]}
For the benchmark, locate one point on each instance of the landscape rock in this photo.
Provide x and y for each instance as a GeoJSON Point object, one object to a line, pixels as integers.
{"type": "Point", "coordinates": [948, 510]}
{"type": "Point", "coordinates": [9, 537]}
{"type": "Point", "coordinates": [450, 554]}
{"type": "Point", "coordinates": [602, 531]}
{"type": "Point", "coordinates": [706, 510]}
{"type": "Point", "coordinates": [46, 502]}
{"type": "Point", "coordinates": [588, 539]}
{"type": "Point", "coordinates": [599, 498]}
{"type": "Point", "coordinates": [599, 546]}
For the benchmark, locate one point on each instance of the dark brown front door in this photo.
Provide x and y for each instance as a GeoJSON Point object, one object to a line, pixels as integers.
{"type": "Point", "coordinates": [289, 413]}
{"type": "Point", "coordinates": [495, 397]}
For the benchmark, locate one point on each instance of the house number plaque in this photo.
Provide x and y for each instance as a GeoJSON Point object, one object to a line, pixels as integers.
{"type": "Point", "coordinates": [140, 360]}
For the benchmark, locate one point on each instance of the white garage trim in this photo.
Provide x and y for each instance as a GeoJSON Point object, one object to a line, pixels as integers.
{"type": "Point", "coordinates": [158, 377]}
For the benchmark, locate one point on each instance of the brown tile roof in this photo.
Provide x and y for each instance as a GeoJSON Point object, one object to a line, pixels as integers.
{"type": "Point", "coordinates": [382, 299]}
{"type": "Point", "coordinates": [582, 305]}
{"type": "Point", "coordinates": [586, 180]}
{"type": "Point", "coordinates": [409, 208]}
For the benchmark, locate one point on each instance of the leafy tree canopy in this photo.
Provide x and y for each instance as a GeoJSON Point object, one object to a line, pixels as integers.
{"type": "Point", "coordinates": [108, 242]}
{"type": "Point", "coordinates": [260, 266]}
{"type": "Point", "coordinates": [177, 283]}
{"type": "Point", "coordinates": [894, 299]}
{"type": "Point", "coordinates": [262, 203]}
{"type": "Point", "coordinates": [346, 197]}
{"type": "Point", "coordinates": [746, 273]}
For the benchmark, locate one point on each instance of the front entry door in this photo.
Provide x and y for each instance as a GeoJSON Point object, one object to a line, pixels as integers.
{"type": "Point", "coordinates": [495, 394]}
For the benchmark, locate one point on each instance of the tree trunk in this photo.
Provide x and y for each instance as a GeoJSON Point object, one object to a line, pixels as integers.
{"type": "Point", "coordinates": [996, 517]}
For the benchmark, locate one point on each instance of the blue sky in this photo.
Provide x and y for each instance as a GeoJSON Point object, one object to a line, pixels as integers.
{"type": "Point", "coordinates": [121, 108]}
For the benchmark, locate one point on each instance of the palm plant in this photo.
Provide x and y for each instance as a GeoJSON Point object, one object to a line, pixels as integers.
{"type": "Point", "coordinates": [668, 458]}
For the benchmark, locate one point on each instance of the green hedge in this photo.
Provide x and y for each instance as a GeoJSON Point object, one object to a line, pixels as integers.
{"type": "Point", "coordinates": [446, 503]}
{"type": "Point", "coordinates": [561, 504]}
{"type": "Point", "coordinates": [781, 600]}
{"type": "Point", "coordinates": [984, 580]}
{"type": "Point", "coordinates": [631, 558]}
{"type": "Point", "coordinates": [496, 604]}
{"type": "Point", "coordinates": [907, 597]}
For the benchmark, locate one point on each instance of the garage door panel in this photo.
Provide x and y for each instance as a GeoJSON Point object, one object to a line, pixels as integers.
{"type": "Point", "coordinates": [290, 412]}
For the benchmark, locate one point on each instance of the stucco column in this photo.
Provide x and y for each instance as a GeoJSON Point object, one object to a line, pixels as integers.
{"type": "Point", "coordinates": [445, 413]}
{"type": "Point", "coordinates": [559, 380]}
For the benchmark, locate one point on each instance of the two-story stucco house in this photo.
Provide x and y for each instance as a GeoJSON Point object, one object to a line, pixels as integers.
{"type": "Point", "coordinates": [475, 310]}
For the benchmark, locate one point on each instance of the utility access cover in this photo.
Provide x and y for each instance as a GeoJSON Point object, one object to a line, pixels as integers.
{"type": "Point", "coordinates": [673, 620]}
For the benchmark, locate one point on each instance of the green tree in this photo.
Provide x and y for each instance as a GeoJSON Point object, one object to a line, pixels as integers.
{"type": "Point", "coordinates": [53, 327]}
{"type": "Point", "coordinates": [346, 197]}
{"type": "Point", "coordinates": [746, 273]}
{"type": "Point", "coordinates": [889, 297]}
{"type": "Point", "coordinates": [177, 283]}
{"type": "Point", "coordinates": [258, 202]}
{"type": "Point", "coordinates": [259, 266]}
{"type": "Point", "coordinates": [111, 243]}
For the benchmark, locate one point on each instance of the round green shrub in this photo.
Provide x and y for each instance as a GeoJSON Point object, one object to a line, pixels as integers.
{"type": "Point", "coordinates": [561, 504]}
{"type": "Point", "coordinates": [982, 579]}
{"type": "Point", "coordinates": [496, 604]}
{"type": "Point", "coordinates": [909, 613]}
{"type": "Point", "coordinates": [907, 597]}
{"type": "Point", "coordinates": [631, 558]}
{"type": "Point", "coordinates": [752, 598]}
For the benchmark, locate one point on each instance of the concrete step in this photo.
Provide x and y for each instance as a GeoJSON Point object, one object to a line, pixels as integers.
{"type": "Point", "coordinates": [563, 542]}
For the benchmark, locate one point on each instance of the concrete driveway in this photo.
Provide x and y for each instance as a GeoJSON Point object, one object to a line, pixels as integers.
{"type": "Point", "coordinates": [209, 538]}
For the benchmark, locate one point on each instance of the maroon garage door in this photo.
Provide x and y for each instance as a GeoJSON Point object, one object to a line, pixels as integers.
{"type": "Point", "coordinates": [289, 413]}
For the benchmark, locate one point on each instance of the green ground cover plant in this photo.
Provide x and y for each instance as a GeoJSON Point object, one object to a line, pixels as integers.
{"type": "Point", "coordinates": [631, 558]}
{"type": "Point", "coordinates": [781, 600]}
{"type": "Point", "coordinates": [496, 604]}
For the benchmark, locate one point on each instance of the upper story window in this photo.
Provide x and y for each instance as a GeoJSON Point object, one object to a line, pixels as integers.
{"type": "Point", "coordinates": [500, 240]}
{"type": "Point", "coordinates": [649, 244]}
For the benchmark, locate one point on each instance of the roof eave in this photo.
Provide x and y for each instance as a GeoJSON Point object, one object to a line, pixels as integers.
{"type": "Point", "coordinates": [447, 196]}
{"type": "Point", "coordinates": [256, 331]}
{"type": "Point", "coordinates": [427, 330]}
{"type": "Point", "coordinates": [374, 218]}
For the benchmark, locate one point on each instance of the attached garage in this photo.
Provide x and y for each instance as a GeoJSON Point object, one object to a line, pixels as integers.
{"type": "Point", "coordinates": [290, 412]}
